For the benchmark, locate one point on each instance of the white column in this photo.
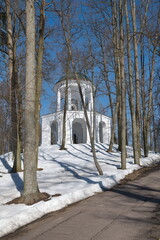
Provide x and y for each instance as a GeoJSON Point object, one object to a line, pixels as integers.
{"type": "Point", "coordinates": [97, 129]}
{"type": "Point", "coordinates": [109, 130]}
{"type": "Point", "coordinates": [88, 137]}
{"type": "Point", "coordinates": [89, 104]}
{"type": "Point", "coordinates": [83, 93]}
{"type": "Point", "coordinates": [58, 100]}
{"type": "Point", "coordinates": [69, 98]}
{"type": "Point", "coordinates": [46, 132]}
{"type": "Point", "coordinates": [91, 101]}
{"type": "Point", "coordinates": [60, 122]}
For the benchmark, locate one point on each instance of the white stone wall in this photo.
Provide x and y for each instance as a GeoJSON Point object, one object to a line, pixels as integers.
{"type": "Point", "coordinates": [47, 121]}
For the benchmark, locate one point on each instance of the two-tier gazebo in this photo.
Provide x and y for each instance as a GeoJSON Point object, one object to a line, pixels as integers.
{"type": "Point", "coordinates": [76, 129]}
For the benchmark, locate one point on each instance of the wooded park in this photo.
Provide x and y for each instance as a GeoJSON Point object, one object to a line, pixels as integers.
{"type": "Point", "coordinates": [115, 43]}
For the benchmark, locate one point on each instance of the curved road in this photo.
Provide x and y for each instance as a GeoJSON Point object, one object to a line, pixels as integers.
{"type": "Point", "coordinates": [129, 211]}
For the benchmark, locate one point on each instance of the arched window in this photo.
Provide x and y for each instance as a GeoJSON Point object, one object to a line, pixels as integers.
{"type": "Point", "coordinates": [62, 104]}
{"type": "Point", "coordinates": [102, 127]}
{"type": "Point", "coordinates": [87, 102]}
{"type": "Point", "coordinates": [74, 105]}
{"type": "Point", "coordinates": [54, 133]}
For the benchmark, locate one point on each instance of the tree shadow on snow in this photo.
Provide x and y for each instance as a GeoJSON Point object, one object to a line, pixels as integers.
{"type": "Point", "coordinates": [101, 149]}
{"type": "Point", "coordinates": [98, 158]}
{"type": "Point", "coordinates": [69, 167]}
{"type": "Point", "coordinates": [18, 181]}
{"type": "Point", "coordinates": [5, 164]}
{"type": "Point", "coordinates": [79, 150]}
{"type": "Point", "coordinates": [15, 176]}
{"type": "Point", "coordinates": [72, 166]}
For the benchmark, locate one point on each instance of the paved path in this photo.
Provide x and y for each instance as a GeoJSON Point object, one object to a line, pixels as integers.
{"type": "Point", "coordinates": [127, 212]}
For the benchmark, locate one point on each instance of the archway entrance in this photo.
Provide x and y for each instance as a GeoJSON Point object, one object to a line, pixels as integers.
{"type": "Point", "coordinates": [79, 131]}
{"type": "Point", "coordinates": [102, 126]}
{"type": "Point", "coordinates": [54, 133]}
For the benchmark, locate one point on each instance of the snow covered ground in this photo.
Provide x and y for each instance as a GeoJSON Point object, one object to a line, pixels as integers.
{"type": "Point", "coordinates": [70, 173]}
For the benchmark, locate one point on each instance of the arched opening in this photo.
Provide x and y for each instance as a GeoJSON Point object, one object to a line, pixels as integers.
{"type": "Point", "coordinates": [73, 107]}
{"type": "Point", "coordinates": [102, 126]}
{"type": "Point", "coordinates": [79, 131]}
{"type": "Point", "coordinates": [74, 104]}
{"type": "Point", "coordinates": [62, 104]}
{"type": "Point", "coordinates": [87, 102]}
{"type": "Point", "coordinates": [54, 133]}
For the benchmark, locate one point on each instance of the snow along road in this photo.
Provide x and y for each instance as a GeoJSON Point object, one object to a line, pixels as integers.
{"type": "Point", "coordinates": [70, 173]}
{"type": "Point", "coordinates": [126, 212]}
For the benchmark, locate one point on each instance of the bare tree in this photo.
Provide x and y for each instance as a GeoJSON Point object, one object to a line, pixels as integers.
{"type": "Point", "coordinates": [123, 86]}
{"type": "Point", "coordinates": [31, 191]}
{"type": "Point", "coordinates": [116, 111]}
{"type": "Point", "coordinates": [65, 106]}
{"type": "Point", "coordinates": [4, 118]}
{"type": "Point", "coordinates": [67, 36]}
{"type": "Point", "coordinates": [137, 79]}
{"type": "Point", "coordinates": [147, 108]}
{"type": "Point", "coordinates": [39, 62]}
{"type": "Point", "coordinates": [131, 90]}
{"type": "Point", "coordinates": [13, 76]}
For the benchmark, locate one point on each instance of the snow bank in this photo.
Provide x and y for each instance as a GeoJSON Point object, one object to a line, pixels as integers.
{"type": "Point", "coordinates": [70, 173]}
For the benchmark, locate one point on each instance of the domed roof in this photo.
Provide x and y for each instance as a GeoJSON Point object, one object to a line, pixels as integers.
{"type": "Point", "coordinates": [71, 76]}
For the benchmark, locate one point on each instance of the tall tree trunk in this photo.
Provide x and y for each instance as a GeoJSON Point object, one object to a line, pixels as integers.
{"type": "Point", "coordinates": [113, 127]}
{"type": "Point", "coordinates": [13, 76]}
{"type": "Point", "coordinates": [10, 42]}
{"type": "Point", "coordinates": [154, 131]}
{"type": "Point", "coordinates": [88, 124]}
{"type": "Point", "coordinates": [39, 74]}
{"type": "Point", "coordinates": [123, 91]}
{"type": "Point", "coordinates": [114, 112]}
{"type": "Point", "coordinates": [68, 44]}
{"type": "Point", "coordinates": [117, 74]}
{"type": "Point", "coordinates": [94, 106]}
{"type": "Point", "coordinates": [105, 74]}
{"type": "Point", "coordinates": [143, 97]}
{"type": "Point", "coordinates": [65, 109]}
{"type": "Point", "coordinates": [137, 80]}
{"type": "Point", "coordinates": [131, 92]}
{"type": "Point", "coordinates": [31, 192]}
{"type": "Point", "coordinates": [150, 101]}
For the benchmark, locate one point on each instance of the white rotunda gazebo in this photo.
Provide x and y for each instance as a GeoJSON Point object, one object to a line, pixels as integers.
{"type": "Point", "coordinates": [76, 129]}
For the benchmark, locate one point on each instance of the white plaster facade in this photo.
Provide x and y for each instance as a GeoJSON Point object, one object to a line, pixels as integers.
{"type": "Point", "coordinates": [76, 129]}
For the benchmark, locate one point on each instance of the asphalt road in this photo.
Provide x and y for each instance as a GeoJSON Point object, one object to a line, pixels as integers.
{"type": "Point", "coordinates": [129, 211]}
